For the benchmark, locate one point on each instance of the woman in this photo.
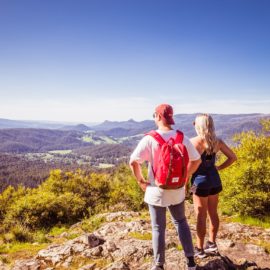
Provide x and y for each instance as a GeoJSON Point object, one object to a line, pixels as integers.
{"type": "Point", "coordinates": [206, 183]}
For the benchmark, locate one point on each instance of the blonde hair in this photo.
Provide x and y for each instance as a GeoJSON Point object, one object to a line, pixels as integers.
{"type": "Point", "coordinates": [204, 126]}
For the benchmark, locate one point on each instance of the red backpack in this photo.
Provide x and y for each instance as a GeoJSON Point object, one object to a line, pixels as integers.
{"type": "Point", "coordinates": [170, 163]}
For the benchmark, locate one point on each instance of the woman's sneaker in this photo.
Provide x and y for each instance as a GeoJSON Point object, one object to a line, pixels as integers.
{"type": "Point", "coordinates": [199, 253]}
{"type": "Point", "coordinates": [210, 247]}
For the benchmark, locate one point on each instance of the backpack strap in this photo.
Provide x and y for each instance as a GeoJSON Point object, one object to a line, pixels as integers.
{"type": "Point", "coordinates": [179, 136]}
{"type": "Point", "coordinates": [179, 139]}
{"type": "Point", "coordinates": [156, 136]}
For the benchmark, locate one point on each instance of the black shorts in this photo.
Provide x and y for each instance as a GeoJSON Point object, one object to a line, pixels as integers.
{"type": "Point", "coordinates": [205, 192]}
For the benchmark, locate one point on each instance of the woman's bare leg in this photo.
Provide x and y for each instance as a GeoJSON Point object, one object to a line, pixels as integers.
{"type": "Point", "coordinates": [213, 215]}
{"type": "Point", "coordinates": [200, 207]}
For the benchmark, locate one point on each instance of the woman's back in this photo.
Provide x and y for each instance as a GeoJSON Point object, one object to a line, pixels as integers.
{"type": "Point", "coordinates": [208, 161]}
{"type": "Point", "coordinates": [208, 169]}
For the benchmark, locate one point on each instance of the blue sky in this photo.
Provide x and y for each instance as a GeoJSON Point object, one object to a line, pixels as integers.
{"type": "Point", "coordinates": [92, 60]}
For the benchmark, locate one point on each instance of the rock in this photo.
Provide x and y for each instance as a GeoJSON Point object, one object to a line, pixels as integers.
{"type": "Point", "coordinates": [55, 259]}
{"type": "Point", "coordinates": [123, 245]}
{"type": "Point", "coordinates": [120, 215]}
{"type": "Point", "coordinates": [2, 266]}
{"type": "Point", "coordinates": [90, 239]}
{"type": "Point", "coordinates": [242, 261]}
{"type": "Point", "coordinates": [88, 267]}
{"type": "Point", "coordinates": [61, 250]}
{"type": "Point", "coordinates": [253, 249]}
{"type": "Point", "coordinates": [118, 266]}
{"type": "Point", "coordinates": [76, 225]}
{"type": "Point", "coordinates": [234, 228]}
{"type": "Point", "coordinates": [30, 264]}
{"type": "Point", "coordinates": [66, 264]}
{"type": "Point", "coordinates": [55, 254]}
{"type": "Point", "coordinates": [94, 252]}
{"type": "Point", "coordinates": [78, 248]}
{"type": "Point", "coordinates": [64, 235]}
{"type": "Point", "coordinates": [110, 246]}
{"type": "Point", "coordinates": [225, 244]}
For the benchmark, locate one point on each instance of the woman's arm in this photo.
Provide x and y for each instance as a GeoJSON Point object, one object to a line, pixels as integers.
{"type": "Point", "coordinates": [227, 151]}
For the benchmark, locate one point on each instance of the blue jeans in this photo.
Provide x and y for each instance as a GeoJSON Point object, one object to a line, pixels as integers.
{"type": "Point", "coordinates": [158, 220]}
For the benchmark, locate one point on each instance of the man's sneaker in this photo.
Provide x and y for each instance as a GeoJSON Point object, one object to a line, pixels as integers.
{"type": "Point", "coordinates": [191, 265]}
{"type": "Point", "coordinates": [199, 253]}
{"type": "Point", "coordinates": [157, 267]}
{"type": "Point", "coordinates": [210, 247]}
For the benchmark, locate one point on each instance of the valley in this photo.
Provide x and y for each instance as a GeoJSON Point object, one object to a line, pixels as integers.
{"type": "Point", "coordinates": [28, 154]}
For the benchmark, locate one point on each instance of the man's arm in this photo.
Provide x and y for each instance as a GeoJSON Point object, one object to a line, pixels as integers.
{"type": "Point", "coordinates": [137, 172]}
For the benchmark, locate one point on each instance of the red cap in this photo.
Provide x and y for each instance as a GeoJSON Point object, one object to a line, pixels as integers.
{"type": "Point", "coordinates": [166, 113]}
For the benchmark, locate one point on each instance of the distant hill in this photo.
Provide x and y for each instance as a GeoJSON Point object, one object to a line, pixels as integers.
{"type": "Point", "coordinates": [80, 127]}
{"type": "Point", "coordinates": [23, 140]}
{"type": "Point", "coordinates": [130, 124]}
{"type": "Point", "coordinates": [226, 125]}
{"type": "Point", "coordinates": [7, 123]}
{"type": "Point", "coordinates": [69, 137]}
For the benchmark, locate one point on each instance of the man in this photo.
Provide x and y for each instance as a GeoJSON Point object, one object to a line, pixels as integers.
{"type": "Point", "coordinates": [159, 199]}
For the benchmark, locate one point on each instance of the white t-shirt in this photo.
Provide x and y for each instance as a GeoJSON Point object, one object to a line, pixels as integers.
{"type": "Point", "coordinates": [145, 151]}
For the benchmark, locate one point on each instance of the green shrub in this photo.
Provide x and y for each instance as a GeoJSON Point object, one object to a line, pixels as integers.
{"type": "Point", "coordinates": [246, 184]}
{"type": "Point", "coordinates": [21, 234]}
{"type": "Point", "coordinates": [65, 198]}
{"type": "Point", "coordinates": [125, 191]}
{"type": "Point", "coordinates": [8, 197]}
{"type": "Point", "coordinates": [44, 210]}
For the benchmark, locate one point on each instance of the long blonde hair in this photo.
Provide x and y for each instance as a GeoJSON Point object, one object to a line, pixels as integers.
{"type": "Point", "coordinates": [204, 126]}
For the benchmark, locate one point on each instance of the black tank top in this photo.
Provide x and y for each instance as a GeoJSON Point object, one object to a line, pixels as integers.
{"type": "Point", "coordinates": [207, 168]}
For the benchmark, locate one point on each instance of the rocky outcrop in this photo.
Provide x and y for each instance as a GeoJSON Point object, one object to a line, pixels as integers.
{"type": "Point", "coordinates": [120, 244]}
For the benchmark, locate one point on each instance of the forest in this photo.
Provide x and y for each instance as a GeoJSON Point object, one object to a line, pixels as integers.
{"type": "Point", "coordinates": [32, 169]}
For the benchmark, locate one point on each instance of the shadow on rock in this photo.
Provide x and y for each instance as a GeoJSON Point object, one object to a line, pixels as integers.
{"type": "Point", "coordinates": [219, 262]}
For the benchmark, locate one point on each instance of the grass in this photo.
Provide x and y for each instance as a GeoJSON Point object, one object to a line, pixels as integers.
{"type": "Point", "coordinates": [73, 236]}
{"type": "Point", "coordinates": [141, 236]}
{"type": "Point", "coordinates": [252, 221]}
{"type": "Point", "coordinates": [81, 261]}
{"type": "Point", "coordinates": [145, 215]}
{"type": "Point", "coordinates": [108, 140]}
{"type": "Point", "coordinates": [88, 139]}
{"type": "Point", "coordinates": [93, 223]}
{"type": "Point", "coordinates": [16, 251]}
{"type": "Point", "coordinates": [56, 231]}
{"type": "Point", "coordinates": [98, 140]}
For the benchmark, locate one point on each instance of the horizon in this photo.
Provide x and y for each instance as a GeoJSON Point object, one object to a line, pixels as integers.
{"type": "Point", "coordinates": [111, 120]}
{"type": "Point", "coordinates": [91, 61]}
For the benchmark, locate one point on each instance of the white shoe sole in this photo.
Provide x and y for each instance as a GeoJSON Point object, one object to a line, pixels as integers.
{"type": "Point", "coordinates": [200, 256]}
{"type": "Point", "coordinates": [214, 249]}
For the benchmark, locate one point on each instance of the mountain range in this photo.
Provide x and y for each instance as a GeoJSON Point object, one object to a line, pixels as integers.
{"type": "Point", "coordinates": [45, 136]}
